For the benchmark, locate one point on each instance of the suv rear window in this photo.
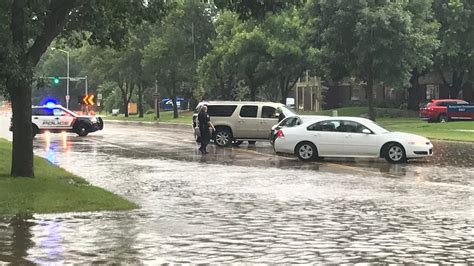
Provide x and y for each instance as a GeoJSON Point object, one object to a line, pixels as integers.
{"type": "Point", "coordinates": [248, 111]}
{"type": "Point", "coordinates": [221, 110]}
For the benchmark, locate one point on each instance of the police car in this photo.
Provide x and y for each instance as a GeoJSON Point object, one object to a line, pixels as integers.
{"type": "Point", "coordinates": [55, 118]}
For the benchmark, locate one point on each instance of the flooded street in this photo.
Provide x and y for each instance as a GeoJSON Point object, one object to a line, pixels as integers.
{"type": "Point", "coordinates": [247, 205]}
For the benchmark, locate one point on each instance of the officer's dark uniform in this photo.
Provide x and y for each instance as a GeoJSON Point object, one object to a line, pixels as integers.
{"type": "Point", "coordinates": [204, 119]}
{"type": "Point", "coordinates": [281, 116]}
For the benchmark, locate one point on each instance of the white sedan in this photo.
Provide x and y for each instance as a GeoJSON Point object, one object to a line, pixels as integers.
{"type": "Point", "coordinates": [350, 137]}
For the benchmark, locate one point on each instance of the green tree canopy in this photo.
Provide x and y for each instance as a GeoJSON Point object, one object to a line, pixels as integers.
{"type": "Point", "coordinates": [374, 41]}
{"type": "Point", "coordinates": [178, 43]}
{"type": "Point", "coordinates": [455, 55]}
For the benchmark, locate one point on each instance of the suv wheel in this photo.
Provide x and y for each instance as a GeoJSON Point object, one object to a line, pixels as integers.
{"type": "Point", "coordinates": [223, 137]}
{"type": "Point", "coordinates": [82, 131]}
{"type": "Point", "coordinates": [306, 151]}
{"type": "Point", "coordinates": [395, 153]}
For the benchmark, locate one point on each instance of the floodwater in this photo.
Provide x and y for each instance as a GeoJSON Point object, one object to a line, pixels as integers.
{"type": "Point", "coordinates": [247, 205]}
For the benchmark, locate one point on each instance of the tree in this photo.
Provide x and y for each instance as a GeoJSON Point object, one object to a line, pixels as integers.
{"type": "Point", "coordinates": [256, 9]}
{"type": "Point", "coordinates": [290, 50]}
{"type": "Point", "coordinates": [217, 70]}
{"type": "Point", "coordinates": [426, 28]}
{"type": "Point", "coordinates": [249, 47]}
{"type": "Point", "coordinates": [456, 52]}
{"type": "Point", "coordinates": [173, 52]}
{"type": "Point", "coordinates": [374, 41]}
{"type": "Point", "coordinates": [27, 30]}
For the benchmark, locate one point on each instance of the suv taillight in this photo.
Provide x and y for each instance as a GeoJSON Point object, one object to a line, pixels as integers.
{"type": "Point", "coordinates": [280, 134]}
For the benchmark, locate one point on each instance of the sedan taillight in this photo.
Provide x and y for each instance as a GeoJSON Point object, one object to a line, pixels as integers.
{"type": "Point", "coordinates": [280, 134]}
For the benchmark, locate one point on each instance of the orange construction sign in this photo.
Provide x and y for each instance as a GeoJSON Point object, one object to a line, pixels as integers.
{"type": "Point", "coordinates": [88, 99]}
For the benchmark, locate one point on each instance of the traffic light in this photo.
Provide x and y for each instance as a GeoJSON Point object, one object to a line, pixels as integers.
{"type": "Point", "coordinates": [55, 80]}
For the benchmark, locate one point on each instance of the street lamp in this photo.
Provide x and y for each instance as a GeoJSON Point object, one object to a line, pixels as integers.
{"type": "Point", "coordinates": [67, 84]}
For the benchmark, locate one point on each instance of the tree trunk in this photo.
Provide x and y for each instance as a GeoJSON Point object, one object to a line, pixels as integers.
{"type": "Point", "coordinates": [414, 92]}
{"type": "Point", "coordinates": [369, 90]}
{"type": "Point", "coordinates": [286, 85]}
{"type": "Point", "coordinates": [222, 87]}
{"type": "Point", "coordinates": [173, 99]}
{"type": "Point", "coordinates": [253, 91]}
{"type": "Point", "coordinates": [22, 152]}
{"type": "Point", "coordinates": [175, 107]}
{"type": "Point", "coordinates": [283, 90]}
{"type": "Point", "coordinates": [140, 100]}
{"type": "Point", "coordinates": [125, 105]}
{"type": "Point", "coordinates": [456, 87]}
{"type": "Point", "coordinates": [229, 94]}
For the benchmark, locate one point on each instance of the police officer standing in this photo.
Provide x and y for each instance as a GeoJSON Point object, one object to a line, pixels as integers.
{"type": "Point", "coordinates": [204, 125]}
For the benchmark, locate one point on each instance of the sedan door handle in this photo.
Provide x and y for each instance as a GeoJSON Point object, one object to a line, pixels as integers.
{"type": "Point", "coordinates": [35, 117]}
{"type": "Point", "coordinates": [56, 118]}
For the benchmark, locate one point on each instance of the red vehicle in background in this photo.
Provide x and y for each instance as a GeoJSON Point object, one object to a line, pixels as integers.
{"type": "Point", "coordinates": [443, 110]}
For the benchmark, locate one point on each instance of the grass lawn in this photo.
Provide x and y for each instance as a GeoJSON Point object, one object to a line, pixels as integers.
{"type": "Point", "coordinates": [52, 190]}
{"type": "Point", "coordinates": [184, 117]}
{"type": "Point", "coordinates": [455, 130]}
{"type": "Point", "coordinates": [362, 111]}
{"type": "Point", "coordinates": [408, 121]}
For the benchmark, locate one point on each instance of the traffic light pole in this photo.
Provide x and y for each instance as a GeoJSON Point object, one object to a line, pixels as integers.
{"type": "Point", "coordinates": [67, 88]}
{"type": "Point", "coordinates": [67, 78]}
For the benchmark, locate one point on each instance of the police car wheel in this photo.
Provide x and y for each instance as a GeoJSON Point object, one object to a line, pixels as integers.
{"type": "Point", "coordinates": [34, 130]}
{"type": "Point", "coordinates": [101, 123]}
{"type": "Point", "coordinates": [82, 131]}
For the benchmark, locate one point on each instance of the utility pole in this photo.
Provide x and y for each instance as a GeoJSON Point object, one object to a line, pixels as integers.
{"type": "Point", "coordinates": [67, 70]}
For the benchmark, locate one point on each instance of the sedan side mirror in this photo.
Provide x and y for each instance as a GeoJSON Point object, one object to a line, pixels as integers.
{"type": "Point", "coordinates": [366, 131]}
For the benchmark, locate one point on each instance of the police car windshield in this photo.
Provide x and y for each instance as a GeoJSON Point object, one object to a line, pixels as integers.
{"type": "Point", "coordinates": [54, 111]}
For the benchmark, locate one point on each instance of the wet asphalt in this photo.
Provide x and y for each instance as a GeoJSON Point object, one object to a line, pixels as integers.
{"type": "Point", "coordinates": [248, 205]}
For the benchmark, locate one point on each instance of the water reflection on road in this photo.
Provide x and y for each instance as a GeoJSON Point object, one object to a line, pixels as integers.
{"type": "Point", "coordinates": [248, 205]}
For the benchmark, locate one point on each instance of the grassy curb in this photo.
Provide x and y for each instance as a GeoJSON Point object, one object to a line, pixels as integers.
{"type": "Point", "coordinates": [166, 117]}
{"type": "Point", "coordinates": [53, 190]}
{"type": "Point", "coordinates": [455, 131]}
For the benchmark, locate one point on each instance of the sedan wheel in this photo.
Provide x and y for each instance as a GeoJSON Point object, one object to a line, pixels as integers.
{"type": "Point", "coordinates": [306, 151]}
{"type": "Point", "coordinates": [395, 154]}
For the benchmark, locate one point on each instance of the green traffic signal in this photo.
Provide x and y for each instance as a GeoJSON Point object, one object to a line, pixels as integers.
{"type": "Point", "coordinates": [55, 80]}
